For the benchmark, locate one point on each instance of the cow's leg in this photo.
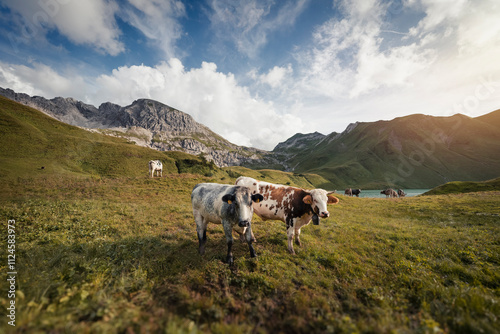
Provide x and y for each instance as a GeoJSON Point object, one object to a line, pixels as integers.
{"type": "Point", "coordinates": [290, 233]}
{"type": "Point", "coordinates": [250, 238]}
{"type": "Point", "coordinates": [228, 229]}
{"type": "Point", "coordinates": [297, 236]}
{"type": "Point", "coordinates": [201, 229]}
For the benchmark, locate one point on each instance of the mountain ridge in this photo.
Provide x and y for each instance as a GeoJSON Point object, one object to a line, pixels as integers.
{"type": "Point", "coordinates": [409, 151]}
{"type": "Point", "coordinates": [146, 122]}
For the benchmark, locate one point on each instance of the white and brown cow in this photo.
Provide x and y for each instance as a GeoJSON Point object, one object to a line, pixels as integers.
{"type": "Point", "coordinates": [155, 167]}
{"type": "Point", "coordinates": [389, 193]}
{"type": "Point", "coordinates": [223, 204]}
{"type": "Point", "coordinates": [294, 206]}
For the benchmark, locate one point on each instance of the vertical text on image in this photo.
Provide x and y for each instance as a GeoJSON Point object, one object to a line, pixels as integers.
{"type": "Point", "coordinates": [11, 273]}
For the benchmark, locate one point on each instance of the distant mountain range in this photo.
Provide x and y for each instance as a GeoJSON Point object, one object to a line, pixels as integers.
{"type": "Point", "coordinates": [415, 151]}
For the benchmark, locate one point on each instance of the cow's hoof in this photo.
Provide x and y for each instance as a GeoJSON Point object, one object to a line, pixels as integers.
{"type": "Point", "coordinates": [230, 260]}
{"type": "Point", "coordinates": [298, 243]}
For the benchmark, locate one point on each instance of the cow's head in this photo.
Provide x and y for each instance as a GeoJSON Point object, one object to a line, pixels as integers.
{"type": "Point", "coordinates": [241, 201]}
{"type": "Point", "coordinates": [318, 199]}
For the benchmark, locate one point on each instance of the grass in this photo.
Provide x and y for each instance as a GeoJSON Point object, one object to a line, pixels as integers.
{"type": "Point", "coordinates": [458, 187]}
{"type": "Point", "coordinates": [120, 254]}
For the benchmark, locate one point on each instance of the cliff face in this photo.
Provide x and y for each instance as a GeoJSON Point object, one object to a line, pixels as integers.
{"type": "Point", "coordinates": [147, 122]}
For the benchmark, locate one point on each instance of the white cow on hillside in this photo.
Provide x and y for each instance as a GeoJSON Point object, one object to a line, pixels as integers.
{"type": "Point", "coordinates": [155, 166]}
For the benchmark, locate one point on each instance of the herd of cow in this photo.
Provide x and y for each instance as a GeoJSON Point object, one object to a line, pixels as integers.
{"type": "Point", "coordinates": [387, 192]}
{"type": "Point", "coordinates": [233, 207]}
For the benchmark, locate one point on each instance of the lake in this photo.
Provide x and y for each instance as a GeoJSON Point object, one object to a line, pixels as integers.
{"type": "Point", "coordinates": [377, 194]}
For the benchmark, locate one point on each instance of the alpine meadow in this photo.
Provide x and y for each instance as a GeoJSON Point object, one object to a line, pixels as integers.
{"type": "Point", "coordinates": [103, 248]}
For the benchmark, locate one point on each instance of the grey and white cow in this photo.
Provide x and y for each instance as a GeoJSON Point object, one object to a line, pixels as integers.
{"type": "Point", "coordinates": [155, 166]}
{"type": "Point", "coordinates": [224, 204]}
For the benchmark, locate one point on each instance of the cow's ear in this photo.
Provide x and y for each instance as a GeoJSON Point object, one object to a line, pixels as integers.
{"type": "Point", "coordinates": [308, 199]}
{"type": "Point", "coordinates": [257, 198]}
{"type": "Point", "coordinates": [228, 198]}
{"type": "Point", "coordinates": [332, 200]}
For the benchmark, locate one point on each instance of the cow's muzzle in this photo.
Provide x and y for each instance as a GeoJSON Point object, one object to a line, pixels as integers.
{"type": "Point", "coordinates": [324, 214]}
{"type": "Point", "coordinates": [244, 223]}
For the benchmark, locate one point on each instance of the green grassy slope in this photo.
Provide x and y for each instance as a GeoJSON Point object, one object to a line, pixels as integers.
{"type": "Point", "coordinates": [458, 187]}
{"type": "Point", "coordinates": [32, 140]}
{"type": "Point", "coordinates": [411, 152]}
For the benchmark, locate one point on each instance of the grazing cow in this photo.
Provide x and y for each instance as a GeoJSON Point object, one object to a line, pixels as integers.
{"type": "Point", "coordinates": [155, 166]}
{"type": "Point", "coordinates": [401, 193]}
{"type": "Point", "coordinates": [356, 192]}
{"type": "Point", "coordinates": [348, 192]}
{"type": "Point", "coordinates": [389, 193]}
{"type": "Point", "coordinates": [223, 204]}
{"type": "Point", "coordinates": [293, 206]}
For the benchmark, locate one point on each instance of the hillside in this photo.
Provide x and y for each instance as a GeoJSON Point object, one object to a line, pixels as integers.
{"type": "Point", "coordinates": [459, 187]}
{"type": "Point", "coordinates": [36, 145]}
{"type": "Point", "coordinates": [416, 151]}
{"type": "Point", "coordinates": [146, 122]}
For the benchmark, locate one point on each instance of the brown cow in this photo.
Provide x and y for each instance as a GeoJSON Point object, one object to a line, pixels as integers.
{"type": "Point", "coordinates": [389, 193]}
{"type": "Point", "coordinates": [293, 206]}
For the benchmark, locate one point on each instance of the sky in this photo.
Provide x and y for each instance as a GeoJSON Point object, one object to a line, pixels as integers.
{"type": "Point", "coordinates": [258, 71]}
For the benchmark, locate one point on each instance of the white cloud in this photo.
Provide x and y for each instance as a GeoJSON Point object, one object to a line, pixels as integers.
{"type": "Point", "coordinates": [247, 24]}
{"type": "Point", "coordinates": [348, 59]}
{"type": "Point", "coordinates": [41, 80]}
{"type": "Point", "coordinates": [89, 22]}
{"type": "Point", "coordinates": [158, 21]}
{"type": "Point", "coordinates": [276, 76]}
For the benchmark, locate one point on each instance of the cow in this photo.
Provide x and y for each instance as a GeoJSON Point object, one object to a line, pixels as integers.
{"type": "Point", "coordinates": [348, 192]}
{"type": "Point", "coordinates": [223, 204]}
{"type": "Point", "coordinates": [356, 192]}
{"type": "Point", "coordinates": [293, 206]}
{"type": "Point", "coordinates": [401, 193]}
{"type": "Point", "coordinates": [155, 166]}
{"type": "Point", "coordinates": [389, 193]}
